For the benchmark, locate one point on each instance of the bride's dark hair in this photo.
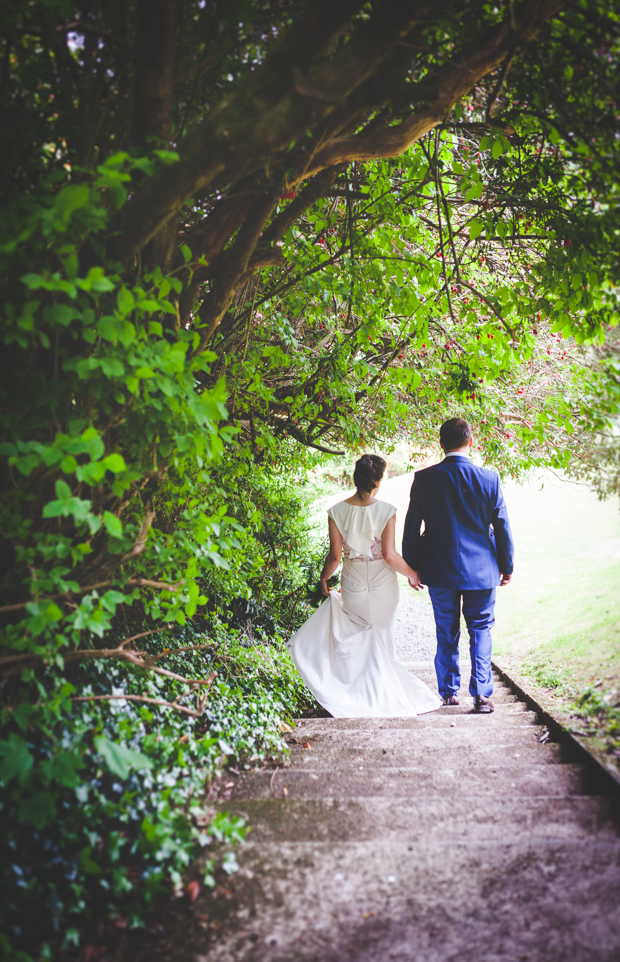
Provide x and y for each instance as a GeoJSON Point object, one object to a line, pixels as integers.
{"type": "Point", "coordinates": [368, 472]}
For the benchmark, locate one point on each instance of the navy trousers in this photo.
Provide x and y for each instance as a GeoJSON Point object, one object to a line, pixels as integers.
{"type": "Point", "coordinates": [479, 614]}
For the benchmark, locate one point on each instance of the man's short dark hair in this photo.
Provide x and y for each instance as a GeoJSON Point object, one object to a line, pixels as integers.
{"type": "Point", "coordinates": [454, 433]}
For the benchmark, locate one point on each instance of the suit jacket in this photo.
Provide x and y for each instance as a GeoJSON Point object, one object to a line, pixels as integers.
{"type": "Point", "coordinates": [467, 539]}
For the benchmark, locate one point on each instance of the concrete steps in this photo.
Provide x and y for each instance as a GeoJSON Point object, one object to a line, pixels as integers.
{"type": "Point", "coordinates": [486, 756]}
{"type": "Point", "coordinates": [436, 817]}
{"type": "Point", "coordinates": [414, 780]}
{"type": "Point", "coordinates": [540, 901]}
{"type": "Point", "coordinates": [449, 837]}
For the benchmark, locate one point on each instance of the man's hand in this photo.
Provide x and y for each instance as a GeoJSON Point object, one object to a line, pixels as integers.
{"type": "Point", "coordinates": [504, 579]}
{"type": "Point", "coordinates": [415, 582]}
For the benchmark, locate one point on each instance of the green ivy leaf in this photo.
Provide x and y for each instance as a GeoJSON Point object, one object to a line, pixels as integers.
{"type": "Point", "coordinates": [119, 759]}
{"type": "Point", "coordinates": [17, 760]}
{"type": "Point", "coordinates": [88, 866]}
{"type": "Point", "coordinates": [37, 809]}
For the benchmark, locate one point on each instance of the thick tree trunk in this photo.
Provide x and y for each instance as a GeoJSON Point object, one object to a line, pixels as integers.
{"type": "Point", "coordinates": [153, 101]}
{"type": "Point", "coordinates": [154, 59]}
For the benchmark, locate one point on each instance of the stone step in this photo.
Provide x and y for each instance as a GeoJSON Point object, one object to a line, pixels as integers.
{"type": "Point", "coordinates": [425, 741]}
{"type": "Point", "coordinates": [450, 757]}
{"type": "Point", "coordinates": [426, 901]}
{"type": "Point", "coordinates": [436, 817]}
{"type": "Point", "coordinates": [436, 719]}
{"type": "Point", "coordinates": [421, 779]}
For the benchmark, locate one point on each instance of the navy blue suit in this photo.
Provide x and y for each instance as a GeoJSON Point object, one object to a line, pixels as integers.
{"type": "Point", "coordinates": [465, 545]}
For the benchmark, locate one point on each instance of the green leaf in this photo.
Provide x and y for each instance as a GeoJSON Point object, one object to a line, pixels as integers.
{"type": "Point", "coordinates": [108, 328]}
{"type": "Point", "coordinates": [17, 760]}
{"type": "Point", "coordinates": [86, 863]}
{"type": "Point", "coordinates": [474, 192]}
{"type": "Point", "coordinates": [113, 525]}
{"type": "Point", "coordinates": [71, 198]}
{"type": "Point", "coordinates": [475, 229]}
{"type": "Point", "coordinates": [114, 462]}
{"type": "Point", "coordinates": [125, 301]}
{"type": "Point", "coordinates": [38, 809]}
{"type": "Point", "coordinates": [167, 156]}
{"type": "Point", "coordinates": [63, 491]}
{"type": "Point", "coordinates": [63, 768]}
{"type": "Point", "coordinates": [63, 314]}
{"type": "Point", "coordinates": [119, 759]}
{"type": "Point", "coordinates": [111, 366]}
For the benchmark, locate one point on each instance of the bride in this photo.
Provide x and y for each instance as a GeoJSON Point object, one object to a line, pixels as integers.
{"type": "Point", "coordinates": [345, 651]}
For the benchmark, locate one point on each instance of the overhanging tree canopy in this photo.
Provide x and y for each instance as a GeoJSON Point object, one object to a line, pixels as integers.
{"type": "Point", "coordinates": [236, 213]}
{"type": "Point", "coordinates": [235, 234]}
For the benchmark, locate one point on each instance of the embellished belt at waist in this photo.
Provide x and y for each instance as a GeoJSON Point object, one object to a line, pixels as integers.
{"type": "Point", "coordinates": [361, 558]}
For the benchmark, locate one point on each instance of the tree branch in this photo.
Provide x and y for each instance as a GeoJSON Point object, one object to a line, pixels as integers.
{"type": "Point", "coordinates": [140, 582]}
{"type": "Point", "coordinates": [489, 304]}
{"type": "Point", "coordinates": [144, 698]}
{"type": "Point", "coordinates": [249, 129]}
{"type": "Point", "coordinates": [440, 92]}
{"type": "Point", "coordinates": [229, 277]}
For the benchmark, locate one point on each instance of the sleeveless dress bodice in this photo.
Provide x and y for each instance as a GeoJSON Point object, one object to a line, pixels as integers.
{"type": "Point", "coordinates": [361, 527]}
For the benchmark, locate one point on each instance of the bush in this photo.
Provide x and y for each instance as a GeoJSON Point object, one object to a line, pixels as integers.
{"type": "Point", "coordinates": [147, 554]}
{"type": "Point", "coordinates": [106, 803]}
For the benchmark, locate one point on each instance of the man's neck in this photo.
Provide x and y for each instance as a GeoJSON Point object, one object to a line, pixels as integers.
{"type": "Point", "coordinates": [458, 452]}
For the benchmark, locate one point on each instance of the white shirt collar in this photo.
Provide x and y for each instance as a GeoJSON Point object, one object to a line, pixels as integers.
{"type": "Point", "coordinates": [457, 454]}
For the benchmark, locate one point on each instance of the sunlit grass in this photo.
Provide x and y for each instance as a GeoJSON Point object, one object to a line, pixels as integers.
{"type": "Point", "coordinates": [559, 621]}
{"type": "Point", "coordinates": [563, 607]}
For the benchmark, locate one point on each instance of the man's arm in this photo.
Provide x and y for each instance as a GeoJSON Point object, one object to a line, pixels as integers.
{"type": "Point", "coordinates": [412, 547]}
{"type": "Point", "coordinates": [504, 544]}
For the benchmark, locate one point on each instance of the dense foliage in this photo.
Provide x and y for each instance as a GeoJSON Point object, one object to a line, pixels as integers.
{"type": "Point", "coordinates": [228, 249]}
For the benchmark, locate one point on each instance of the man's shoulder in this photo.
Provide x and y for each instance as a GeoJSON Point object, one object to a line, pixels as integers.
{"type": "Point", "coordinates": [423, 474]}
{"type": "Point", "coordinates": [489, 473]}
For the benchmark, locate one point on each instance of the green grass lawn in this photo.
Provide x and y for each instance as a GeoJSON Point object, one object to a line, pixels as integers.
{"type": "Point", "coordinates": [562, 609]}
{"type": "Point", "coordinates": [559, 621]}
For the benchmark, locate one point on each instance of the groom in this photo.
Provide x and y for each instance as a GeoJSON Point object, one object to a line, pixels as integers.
{"type": "Point", "coordinates": [465, 550]}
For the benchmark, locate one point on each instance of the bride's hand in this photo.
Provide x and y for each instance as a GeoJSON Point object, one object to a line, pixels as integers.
{"type": "Point", "coordinates": [414, 581]}
{"type": "Point", "coordinates": [324, 587]}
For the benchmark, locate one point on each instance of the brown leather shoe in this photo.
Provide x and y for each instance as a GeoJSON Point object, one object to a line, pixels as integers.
{"type": "Point", "coordinates": [450, 700]}
{"type": "Point", "coordinates": [483, 706]}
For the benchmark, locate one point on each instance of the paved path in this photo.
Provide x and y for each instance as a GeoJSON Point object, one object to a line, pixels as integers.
{"type": "Point", "coordinates": [414, 629]}
{"type": "Point", "coordinates": [444, 838]}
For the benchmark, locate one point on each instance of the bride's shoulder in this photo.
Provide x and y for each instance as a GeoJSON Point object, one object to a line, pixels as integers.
{"type": "Point", "coordinates": [387, 508]}
{"type": "Point", "coordinates": [338, 508]}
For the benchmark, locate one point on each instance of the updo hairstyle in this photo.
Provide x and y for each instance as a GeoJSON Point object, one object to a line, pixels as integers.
{"type": "Point", "coordinates": [368, 472]}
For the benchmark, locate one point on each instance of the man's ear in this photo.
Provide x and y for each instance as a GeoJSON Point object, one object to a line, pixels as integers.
{"type": "Point", "coordinates": [471, 441]}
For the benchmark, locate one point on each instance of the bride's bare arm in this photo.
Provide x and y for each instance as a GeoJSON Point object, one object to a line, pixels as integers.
{"type": "Point", "coordinates": [392, 557]}
{"type": "Point", "coordinates": [333, 555]}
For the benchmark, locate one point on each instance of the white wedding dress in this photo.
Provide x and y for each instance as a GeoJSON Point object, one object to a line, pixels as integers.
{"type": "Point", "coordinates": [345, 651]}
